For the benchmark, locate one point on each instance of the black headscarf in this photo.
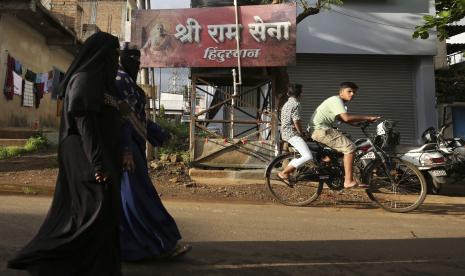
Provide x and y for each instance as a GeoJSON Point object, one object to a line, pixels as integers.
{"type": "Point", "coordinates": [90, 75]}
{"type": "Point", "coordinates": [130, 60]}
{"type": "Point", "coordinates": [96, 55]}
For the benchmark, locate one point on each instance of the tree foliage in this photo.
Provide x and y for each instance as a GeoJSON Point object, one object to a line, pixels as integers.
{"type": "Point", "coordinates": [450, 85]}
{"type": "Point", "coordinates": [309, 7]}
{"type": "Point", "coordinates": [447, 11]}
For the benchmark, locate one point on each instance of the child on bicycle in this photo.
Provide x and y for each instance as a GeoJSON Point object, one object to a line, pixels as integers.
{"type": "Point", "coordinates": [291, 131]}
{"type": "Point", "coordinates": [326, 114]}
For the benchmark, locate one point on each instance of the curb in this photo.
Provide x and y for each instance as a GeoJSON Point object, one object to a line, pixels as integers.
{"type": "Point", "coordinates": [227, 177]}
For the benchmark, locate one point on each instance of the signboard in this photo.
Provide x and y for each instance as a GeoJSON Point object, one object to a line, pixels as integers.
{"type": "Point", "coordinates": [206, 37]}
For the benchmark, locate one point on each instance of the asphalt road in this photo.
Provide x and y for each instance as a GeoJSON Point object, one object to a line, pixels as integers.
{"type": "Point", "coordinates": [245, 239]}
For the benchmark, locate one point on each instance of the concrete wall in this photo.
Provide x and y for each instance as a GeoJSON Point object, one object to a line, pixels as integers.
{"type": "Point", "coordinates": [425, 95]}
{"type": "Point", "coordinates": [367, 27]}
{"type": "Point", "coordinates": [30, 48]}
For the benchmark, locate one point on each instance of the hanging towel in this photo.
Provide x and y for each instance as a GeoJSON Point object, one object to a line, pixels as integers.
{"type": "Point", "coordinates": [17, 84]}
{"type": "Point", "coordinates": [18, 67]}
{"type": "Point", "coordinates": [28, 94]}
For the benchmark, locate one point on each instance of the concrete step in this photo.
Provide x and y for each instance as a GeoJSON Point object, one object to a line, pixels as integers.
{"type": "Point", "coordinates": [13, 142]}
{"type": "Point", "coordinates": [13, 136]}
{"type": "Point", "coordinates": [17, 133]}
{"type": "Point", "coordinates": [227, 177]}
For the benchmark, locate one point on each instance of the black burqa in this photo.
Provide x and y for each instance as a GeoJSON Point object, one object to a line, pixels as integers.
{"type": "Point", "coordinates": [80, 233]}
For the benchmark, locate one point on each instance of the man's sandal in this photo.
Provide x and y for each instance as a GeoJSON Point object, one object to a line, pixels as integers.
{"type": "Point", "coordinates": [357, 186]}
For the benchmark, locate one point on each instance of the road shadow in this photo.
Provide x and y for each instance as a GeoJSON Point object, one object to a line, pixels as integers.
{"type": "Point", "coordinates": [341, 257]}
{"type": "Point", "coordinates": [414, 256]}
{"type": "Point", "coordinates": [442, 209]}
{"type": "Point", "coordinates": [360, 257]}
{"type": "Point", "coordinates": [454, 190]}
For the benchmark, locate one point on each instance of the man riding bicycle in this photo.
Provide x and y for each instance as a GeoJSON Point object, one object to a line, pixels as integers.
{"type": "Point", "coordinates": [331, 110]}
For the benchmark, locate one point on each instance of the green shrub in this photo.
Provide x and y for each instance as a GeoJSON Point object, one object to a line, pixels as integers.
{"type": "Point", "coordinates": [7, 152]}
{"type": "Point", "coordinates": [36, 143]}
{"type": "Point", "coordinates": [179, 141]}
{"type": "Point", "coordinates": [33, 144]}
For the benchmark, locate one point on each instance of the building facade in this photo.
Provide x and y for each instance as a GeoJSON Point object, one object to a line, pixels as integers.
{"type": "Point", "coordinates": [39, 45]}
{"type": "Point", "coordinates": [87, 16]}
{"type": "Point", "coordinates": [370, 43]}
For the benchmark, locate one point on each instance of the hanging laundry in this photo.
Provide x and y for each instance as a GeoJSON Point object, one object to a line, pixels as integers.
{"type": "Point", "coordinates": [18, 67]}
{"type": "Point", "coordinates": [57, 77]}
{"type": "Point", "coordinates": [30, 76]}
{"type": "Point", "coordinates": [9, 86]}
{"type": "Point", "coordinates": [17, 84]}
{"type": "Point", "coordinates": [39, 93]}
{"type": "Point", "coordinates": [49, 82]}
{"type": "Point", "coordinates": [28, 94]}
{"type": "Point", "coordinates": [44, 78]}
{"type": "Point", "coordinates": [38, 78]}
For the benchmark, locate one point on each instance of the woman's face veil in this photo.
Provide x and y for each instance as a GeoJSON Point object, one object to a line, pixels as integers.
{"type": "Point", "coordinates": [98, 53]}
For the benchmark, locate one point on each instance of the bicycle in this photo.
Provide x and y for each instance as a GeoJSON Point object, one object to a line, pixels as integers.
{"type": "Point", "coordinates": [394, 184]}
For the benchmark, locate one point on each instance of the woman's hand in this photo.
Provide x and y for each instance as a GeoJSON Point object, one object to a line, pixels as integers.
{"type": "Point", "coordinates": [128, 161]}
{"type": "Point", "coordinates": [100, 177]}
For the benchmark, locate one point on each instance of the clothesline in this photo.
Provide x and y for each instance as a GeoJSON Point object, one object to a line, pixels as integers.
{"type": "Point", "coordinates": [32, 86]}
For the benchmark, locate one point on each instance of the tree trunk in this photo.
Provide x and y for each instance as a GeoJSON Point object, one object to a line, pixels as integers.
{"type": "Point", "coordinates": [305, 13]}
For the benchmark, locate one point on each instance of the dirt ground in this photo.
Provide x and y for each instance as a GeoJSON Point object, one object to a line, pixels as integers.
{"type": "Point", "coordinates": [35, 174]}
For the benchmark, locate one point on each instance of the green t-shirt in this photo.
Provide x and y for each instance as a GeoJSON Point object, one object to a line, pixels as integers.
{"type": "Point", "coordinates": [325, 114]}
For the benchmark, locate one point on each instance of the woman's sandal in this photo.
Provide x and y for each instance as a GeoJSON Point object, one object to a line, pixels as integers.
{"type": "Point", "coordinates": [179, 250]}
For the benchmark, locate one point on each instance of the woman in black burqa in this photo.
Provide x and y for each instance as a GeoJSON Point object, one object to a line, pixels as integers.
{"type": "Point", "coordinates": [80, 233]}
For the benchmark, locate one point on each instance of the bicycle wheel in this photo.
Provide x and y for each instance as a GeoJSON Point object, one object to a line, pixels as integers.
{"type": "Point", "coordinates": [397, 187]}
{"type": "Point", "coordinates": [305, 185]}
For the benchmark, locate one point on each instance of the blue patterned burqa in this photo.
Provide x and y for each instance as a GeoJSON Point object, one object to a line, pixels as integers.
{"type": "Point", "coordinates": [146, 227]}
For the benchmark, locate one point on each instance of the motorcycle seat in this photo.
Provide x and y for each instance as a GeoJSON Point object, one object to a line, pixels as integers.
{"type": "Point", "coordinates": [414, 149]}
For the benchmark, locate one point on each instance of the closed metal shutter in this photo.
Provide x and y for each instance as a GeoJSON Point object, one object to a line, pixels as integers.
{"type": "Point", "coordinates": [386, 87]}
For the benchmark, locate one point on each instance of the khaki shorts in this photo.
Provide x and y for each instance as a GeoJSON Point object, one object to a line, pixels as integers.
{"type": "Point", "coordinates": [334, 139]}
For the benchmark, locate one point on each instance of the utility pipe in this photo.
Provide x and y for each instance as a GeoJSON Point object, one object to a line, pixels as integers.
{"type": "Point", "coordinates": [238, 38]}
{"type": "Point", "coordinates": [233, 104]}
{"type": "Point", "coordinates": [235, 81]}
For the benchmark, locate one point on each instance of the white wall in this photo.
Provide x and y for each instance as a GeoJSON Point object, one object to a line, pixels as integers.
{"type": "Point", "coordinates": [171, 101]}
{"type": "Point", "coordinates": [367, 27]}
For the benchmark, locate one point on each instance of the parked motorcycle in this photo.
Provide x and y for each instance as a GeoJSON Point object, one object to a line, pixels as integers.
{"type": "Point", "coordinates": [427, 158]}
{"type": "Point", "coordinates": [453, 150]}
